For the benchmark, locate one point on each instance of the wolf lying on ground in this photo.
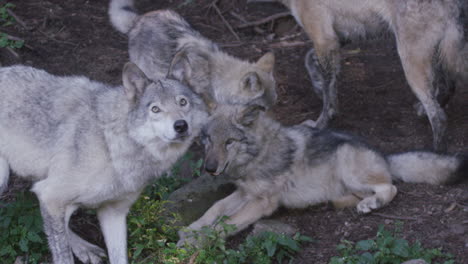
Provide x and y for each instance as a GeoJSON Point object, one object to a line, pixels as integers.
{"type": "Point", "coordinates": [297, 166]}
{"type": "Point", "coordinates": [429, 37]}
{"type": "Point", "coordinates": [86, 144]}
{"type": "Point", "coordinates": [162, 41]}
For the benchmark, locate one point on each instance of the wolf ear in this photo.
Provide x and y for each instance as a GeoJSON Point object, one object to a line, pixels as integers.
{"type": "Point", "coordinates": [250, 114]}
{"type": "Point", "coordinates": [134, 81]}
{"type": "Point", "coordinates": [251, 84]}
{"type": "Point", "coordinates": [192, 67]}
{"type": "Point", "coordinates": [266, 62]}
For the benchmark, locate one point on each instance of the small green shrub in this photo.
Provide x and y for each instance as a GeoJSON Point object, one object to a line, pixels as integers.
{"type": "Point", "coordinates": [265, 248]}
{"type": "Point", "coordinates": [21, 232]}
{"type": "Point", "coordinates": [386, 248]}
{"type": "Point", "coordinates": [6, 20]}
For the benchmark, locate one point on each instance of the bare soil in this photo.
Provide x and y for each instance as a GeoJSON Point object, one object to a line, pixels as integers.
{"type": "Point", "coordinates": [76, 38]}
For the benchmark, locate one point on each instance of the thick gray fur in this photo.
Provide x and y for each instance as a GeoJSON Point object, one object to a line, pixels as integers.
{"type": "Point", "coordinates": [297, 166]}
{"type": "Point", "coordinates": [87, 144]}
{"type": "Point", "coordinates": [161, 42]}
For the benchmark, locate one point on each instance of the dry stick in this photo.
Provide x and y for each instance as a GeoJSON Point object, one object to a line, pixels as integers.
{"type": "Point", "coordinates": [288, 44]}
{"type": "Point", "coordinates": [239, 17]}
{"type": "Point", "coordinates": [17, 19]}
{"type": "Point", "coordinates": [264, 20]}
{"type": "Point", "coordinates": [395, 217]}
{"type": "Point", "coordinates": [224, 20]}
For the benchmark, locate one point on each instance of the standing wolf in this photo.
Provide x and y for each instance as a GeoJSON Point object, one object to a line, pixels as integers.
{"type": "Point", "coordinates": [301, 165]}
{"type": "Point", "coordinates": [429, 38]}
{"type": "Point", "coordinates": [86, 144]}
{"type": "Point", "coordinates": [162, 40]}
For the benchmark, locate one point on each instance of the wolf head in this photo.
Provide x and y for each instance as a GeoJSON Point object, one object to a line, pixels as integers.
{"type": "Point", "coordinates": [230, 139]}
{"type": "Point", "coordinates": [165, 109]}
{"type": "Point", "coordinates": [223, 79]}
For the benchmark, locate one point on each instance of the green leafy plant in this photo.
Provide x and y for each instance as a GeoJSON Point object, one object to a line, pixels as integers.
{"type": "Point", "coordinates": [264, 248]}
{"type": "Point", "coordinates": [6, 20]}
{"type": "Point", "coordinates": [21, 232]}
{"type": "Point", "coordinates": [386, 248]}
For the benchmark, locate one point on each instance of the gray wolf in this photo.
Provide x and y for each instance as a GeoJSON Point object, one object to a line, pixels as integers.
{"type": "Point", "coordinates": [298, 166]}
{"type": "Point", "coordinates": [429, 37]}
{"type": "Point", "coordinates": [162, 41]}
{"type": "Point", "coordinates": [87, 144]}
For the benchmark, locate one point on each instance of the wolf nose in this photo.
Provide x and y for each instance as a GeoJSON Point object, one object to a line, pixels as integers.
{"type": "Point", "coordinates": [211, 166]}
{"type": "Point", "coordinates": [180, 126]}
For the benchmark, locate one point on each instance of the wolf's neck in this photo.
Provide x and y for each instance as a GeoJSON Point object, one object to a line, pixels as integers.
{"type": "Point", "coordinates": [275, 149]}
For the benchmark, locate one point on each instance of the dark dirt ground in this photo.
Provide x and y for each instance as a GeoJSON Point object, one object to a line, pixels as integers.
{"type": "Point", "coordinates": [75, 37]}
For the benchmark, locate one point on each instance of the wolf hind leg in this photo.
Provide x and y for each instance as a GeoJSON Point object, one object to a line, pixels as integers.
{"type": "Point", "coordinates": [83, 250]}
{"type": "Point", "coordinates": [4, 174]}
{"type": "Point", "coordinates": [383, 194]}
{"type": "Point", "coordinates": [312, 65]}
{"type": "Point", "coordinates": [349, 200]}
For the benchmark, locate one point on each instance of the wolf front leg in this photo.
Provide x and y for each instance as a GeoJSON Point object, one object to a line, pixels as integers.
{"type": "Point", "coordinates": [227, 206]}
{"type": "Point", "coordinates": [56, 231]}
{"type": "Point", "coordinates": [252, 211]}
{"type": "Point", "coordinates": [112, 219]}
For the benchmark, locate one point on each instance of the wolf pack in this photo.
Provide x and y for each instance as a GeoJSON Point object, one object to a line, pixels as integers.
{"type": "Point", "coordinates": [86, 144]}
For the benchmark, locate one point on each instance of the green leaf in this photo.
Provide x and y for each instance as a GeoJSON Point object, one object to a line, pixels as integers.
{"type": "Point", "coordinates": [270, 247]}
{"type": "Point", "coordinates": [24, 245]}
{"type": "Point", "coordinates": [400, 248]}
{"type": "Point", "coordinates": [365, 244]}
{"type": "Point", "coordinates": [34, 237]}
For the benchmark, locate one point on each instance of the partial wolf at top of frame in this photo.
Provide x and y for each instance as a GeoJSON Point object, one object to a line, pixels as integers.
{"type": "Point", "coordinates": [162, 41]}
{"type": "Point", "coordinates": [430, 43]}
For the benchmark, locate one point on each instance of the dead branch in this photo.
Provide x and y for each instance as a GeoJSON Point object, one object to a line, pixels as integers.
{"type": "Point", "coordinates": [288, 44]}
{"type": "Point", "coordinates": [17, 19]}
{"type": "Point", "coordinates": [215, 7]}
{"type": "Point", "coordinates": [239, 17]}
{"type": "Point", "coordinates": [264, 20]}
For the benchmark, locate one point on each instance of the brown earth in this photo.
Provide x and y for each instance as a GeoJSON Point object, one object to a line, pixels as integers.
{"type": "Point", "coordinates": [75, 37]}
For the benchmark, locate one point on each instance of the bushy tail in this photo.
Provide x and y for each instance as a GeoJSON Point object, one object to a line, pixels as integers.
{"type": "Point", "coordinates": [4, 174]}
{"type": "Point", "coordinates": [428, 167]}
{"type": "Point", "coordinates": [122, 15]}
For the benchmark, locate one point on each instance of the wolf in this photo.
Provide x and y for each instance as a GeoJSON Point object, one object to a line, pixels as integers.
{"type": "Point", "coordinates": [162, 41]}
{"type": "Point", "coordinates": [429, 37]}
{"type": "Point", "coordinates": [87, 144]}
{"type": "Point", "coordinates": [298, 166]}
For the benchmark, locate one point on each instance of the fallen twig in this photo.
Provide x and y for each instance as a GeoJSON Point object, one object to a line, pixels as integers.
{"type": "Point", "coordinates": [396, 217]}
{"type": "Point", "coordinates": [17, 19]}
{"type": "Point", "coordinates": [287, 44]}
{"type": "Point", "coordinates": [264, 20]}
{"type": "Point", "coordinates": [224, 20]}
{"type": "Point", "coordinates": [239, 17]}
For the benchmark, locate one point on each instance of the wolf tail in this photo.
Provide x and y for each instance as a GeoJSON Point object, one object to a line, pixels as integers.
{"type": "Point", "coordinates": [4, 174]}
{"type": "Point", "coordinates": [122, 15]}
{"type": "Point", "coordinates": [428, 167]}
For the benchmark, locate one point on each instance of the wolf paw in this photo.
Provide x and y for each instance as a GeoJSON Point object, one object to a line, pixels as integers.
{"type": "Point", "coordinates": [86, 252]}
{"type": "Point", "coordinates": [187, 238]}
{"type": "Point", "coordinates": [368, 204]}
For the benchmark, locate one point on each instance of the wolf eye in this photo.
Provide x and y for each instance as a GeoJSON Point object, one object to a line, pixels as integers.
{"type": "Point", "coordinates": [229, 141]}
{"type": "Point", "coordinates": [155, 109]}
{"type": "Point", "coordinates": [183, 102]}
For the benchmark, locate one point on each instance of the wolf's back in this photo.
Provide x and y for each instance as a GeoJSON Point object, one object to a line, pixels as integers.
{"type": "Point", "coordinates": [122, 15]}
{"type": "Point", "coordinates": [428, 167]}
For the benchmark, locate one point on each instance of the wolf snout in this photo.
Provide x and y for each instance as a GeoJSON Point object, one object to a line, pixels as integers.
{"type": "Point", "coordinates": [180, 126]}
{"type": "Point", "coordinates": [211, 166]}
